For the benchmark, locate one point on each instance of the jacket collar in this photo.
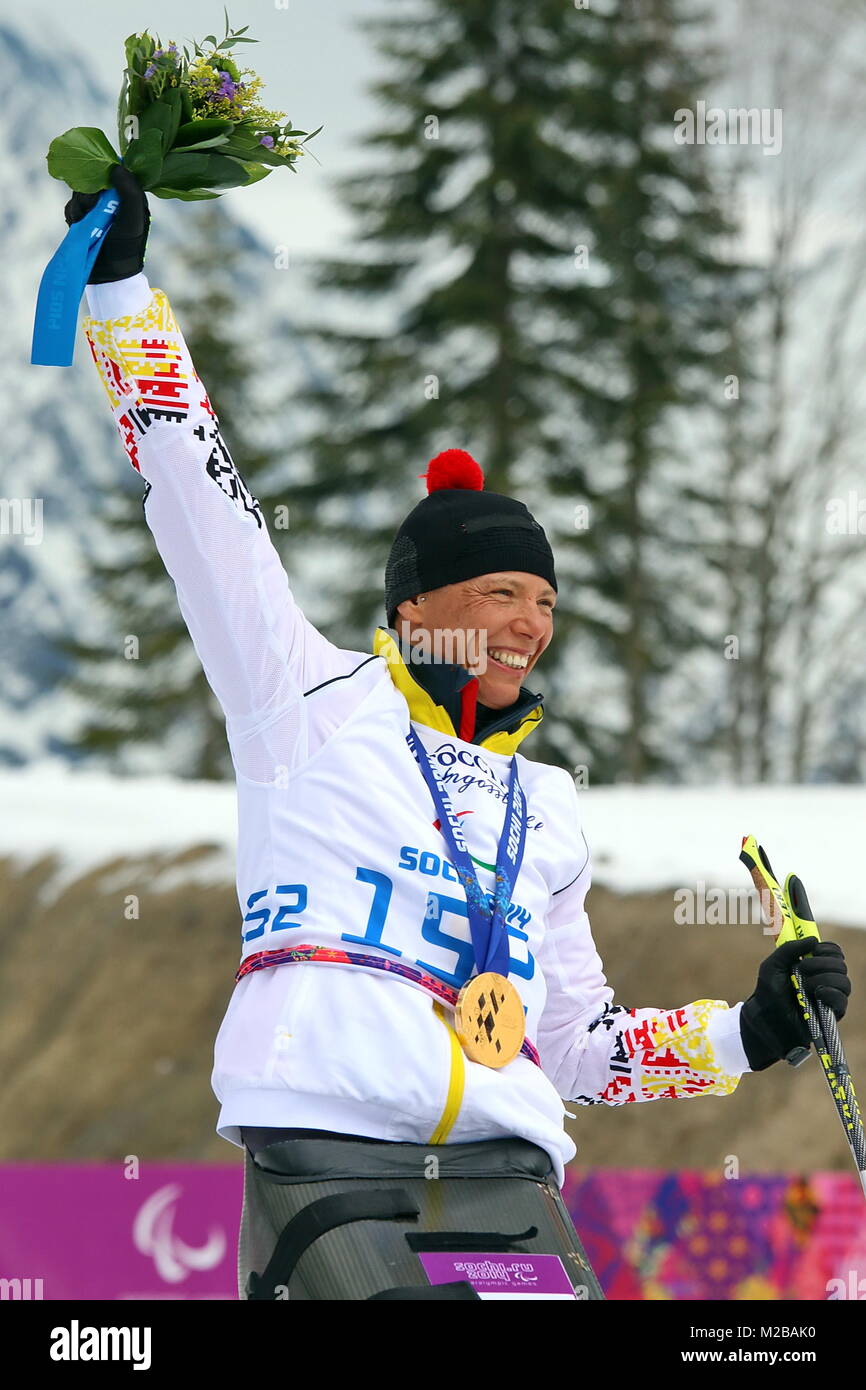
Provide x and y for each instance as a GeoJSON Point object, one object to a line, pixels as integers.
{"type": "Point", "coordinates": [442, 696]}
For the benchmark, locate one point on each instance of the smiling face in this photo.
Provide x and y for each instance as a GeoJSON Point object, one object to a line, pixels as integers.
{"type": "Point", "coordinates": [507, 622]}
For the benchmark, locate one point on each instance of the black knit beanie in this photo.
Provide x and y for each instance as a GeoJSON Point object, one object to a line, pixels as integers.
{"type": "Point", "coordinates": [459, 531]}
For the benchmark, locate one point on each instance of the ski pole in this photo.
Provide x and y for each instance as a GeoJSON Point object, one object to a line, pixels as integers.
{"type": "Point", "coordinates": [789, 915]}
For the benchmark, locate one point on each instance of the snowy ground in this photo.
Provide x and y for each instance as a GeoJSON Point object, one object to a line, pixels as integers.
{"type": "Point", "coordinates": [87, 818]}
{"type": "Point", "coordinates": [641, 838]}
{"type": "Point", "coordinates": [645, 838]}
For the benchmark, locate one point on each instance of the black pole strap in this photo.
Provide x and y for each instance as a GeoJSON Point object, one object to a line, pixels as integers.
{"type": "Point", "coordinates": [495, 1241]}
{"type": "Point", "coordinates": [325, 1214]}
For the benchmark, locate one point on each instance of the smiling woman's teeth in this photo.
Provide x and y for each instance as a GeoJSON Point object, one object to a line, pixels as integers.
{"type": "Point", "coordinates": [511, 659]}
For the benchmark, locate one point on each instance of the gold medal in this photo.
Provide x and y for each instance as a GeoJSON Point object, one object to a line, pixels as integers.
{"type": "Point", "coordinates": [489, 1020]}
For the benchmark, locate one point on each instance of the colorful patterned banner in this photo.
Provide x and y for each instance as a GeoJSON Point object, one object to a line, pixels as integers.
{"type": "Point", "coordinates": [99, 1232]}
{"type": "Point", "coordinates": [695, 1235]}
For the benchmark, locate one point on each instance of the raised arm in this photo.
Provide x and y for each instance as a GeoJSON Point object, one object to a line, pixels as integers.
{"type": "Point", "coordinates": [258, 651]}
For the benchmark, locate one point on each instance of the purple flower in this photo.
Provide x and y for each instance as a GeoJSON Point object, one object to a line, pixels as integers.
{"type": "Point", "coordinates": [149, 70]}
{"type": "Point", "coordinates": [267, 140]}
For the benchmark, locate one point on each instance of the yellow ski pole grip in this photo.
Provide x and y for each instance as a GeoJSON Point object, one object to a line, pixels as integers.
{"type": "Point", "coordinates": [789, 914]}
{"type": "Point", "coordinates": [781, 918]}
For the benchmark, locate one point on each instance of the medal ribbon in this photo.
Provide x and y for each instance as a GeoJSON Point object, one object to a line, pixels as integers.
{"type": "Point", "coordinates": [63, 281]}
{"type": "Point", "coordinates": [487, 927]}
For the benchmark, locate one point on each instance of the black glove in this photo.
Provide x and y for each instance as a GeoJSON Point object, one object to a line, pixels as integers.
{"type": "Point", "coordinates": [122, 254]}
{"type": "Point", "coordinates": [771, 1020]}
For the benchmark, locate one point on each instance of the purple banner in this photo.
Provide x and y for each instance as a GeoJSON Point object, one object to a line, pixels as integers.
{"type": "Point", "coordinates": [70, 1231]}
{"type": "Point", "coordinates": [101, 1232]}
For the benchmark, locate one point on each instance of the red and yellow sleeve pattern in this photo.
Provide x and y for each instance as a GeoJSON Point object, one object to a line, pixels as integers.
{"type": "Point", "coordinates": [146, 371]}
{"type": "Point", "coordinates": [654, 1055]}
{"type": "Point", "coordinates": [150, 380]}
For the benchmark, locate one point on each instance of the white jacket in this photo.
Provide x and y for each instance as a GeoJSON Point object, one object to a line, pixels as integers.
{"type": "Point", "coordinates": [336, 838]}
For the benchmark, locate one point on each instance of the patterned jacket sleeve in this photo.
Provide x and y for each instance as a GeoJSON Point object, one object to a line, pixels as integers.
{"type": "Point", "coordinates": [598, 1052]}
{"type": "Point", "coordinates": [258, 651]}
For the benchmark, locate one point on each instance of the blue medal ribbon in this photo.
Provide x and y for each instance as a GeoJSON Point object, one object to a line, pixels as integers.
{"type": "Point", "coordinates": [487, 927]}
{"type": "Point", "coordinates": [63, 281]}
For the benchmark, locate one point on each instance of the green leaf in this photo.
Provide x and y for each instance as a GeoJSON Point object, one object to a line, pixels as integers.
{"type": "Point", "coordinates": [202, 169]}
{"type": "Point", "coordinates": [242, 144]}
{"type": "Point", "coordinates": [144, 157]}
{"type": "Point", "coordinates": [209, 38]}
{"type": "Point", "coordinates": [136, 89]}
{"type": "Point", "coordinates": [213, 143]}
{"type": "Point", "coordinates": [122, 111]}
{"type": "Point", "coordinates": [138, 48]}
{"type": "Point", "coordinates": [224, 172]}
{"type": "Point", "coordinates": [262, 155]}
{"type": "Point", "coordinates": [82, 158]}
{"type": "Point", "coordinates": [190, 195]}
{"type": "Point", "coordinates": [192, 131]}
{"type": "Point", "coordinates": [164, 116]}
{"type": "Point", "coordinates": [255, 172]}
{"type": "Point", "coordinates": [183, 170]}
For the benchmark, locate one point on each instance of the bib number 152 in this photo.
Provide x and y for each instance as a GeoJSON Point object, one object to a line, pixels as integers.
{"type": "Point", "coordinates": [439, 907]}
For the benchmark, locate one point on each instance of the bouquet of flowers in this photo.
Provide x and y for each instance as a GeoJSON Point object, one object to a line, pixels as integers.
{"type": "Point", "coordinates": [189, 124]}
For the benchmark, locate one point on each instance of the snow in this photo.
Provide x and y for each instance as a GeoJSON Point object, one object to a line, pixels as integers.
{"type": "Point", "coordinates": [652, 838]}
{"type": "Point", "coordinates": [641, 838]}
{"type": "Point", "coordinates": [88, 818]}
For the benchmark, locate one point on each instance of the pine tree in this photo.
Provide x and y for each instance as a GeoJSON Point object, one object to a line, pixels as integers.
{"type": "Point", "coordinates": [143, 683]}
{"type": "Point", "coordinates": [659, 230]}
{"type": "Point", "coordinates": [534, 281]}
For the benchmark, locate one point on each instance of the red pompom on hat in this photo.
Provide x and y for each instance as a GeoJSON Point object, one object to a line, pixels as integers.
{"type": "Point", "coordinates": [453, 468]}
{"type": "Point", "coordinates": [459, 531]}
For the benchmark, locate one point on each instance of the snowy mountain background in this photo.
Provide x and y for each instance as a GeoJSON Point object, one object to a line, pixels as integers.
{"type": "Point", "coordinates": [59, 442]}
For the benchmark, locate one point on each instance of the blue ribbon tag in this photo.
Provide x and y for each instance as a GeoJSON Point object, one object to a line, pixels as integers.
{"type": "Point", "coordinates": [62, 284]}
{"type": "Point", "coordinates": [487, 928]}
